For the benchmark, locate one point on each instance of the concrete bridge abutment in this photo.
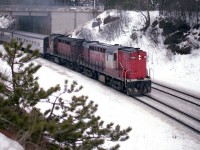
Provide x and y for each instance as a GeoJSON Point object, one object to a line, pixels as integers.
{"type": "Point", "coordinates": [48, 20]}
{"type": "Point", "coordinates": [36, 24]}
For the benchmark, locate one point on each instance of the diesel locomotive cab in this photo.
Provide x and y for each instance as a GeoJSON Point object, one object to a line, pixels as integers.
{"type": "Point", "coordinates": [132, 66]}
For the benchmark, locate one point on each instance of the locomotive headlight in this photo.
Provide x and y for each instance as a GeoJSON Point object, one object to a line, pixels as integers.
{"type": "Point", "coordinates": [139, 57]}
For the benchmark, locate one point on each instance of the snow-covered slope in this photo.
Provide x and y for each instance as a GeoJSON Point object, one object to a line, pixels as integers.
{"type": "Point", "coordinates": [6, 21]}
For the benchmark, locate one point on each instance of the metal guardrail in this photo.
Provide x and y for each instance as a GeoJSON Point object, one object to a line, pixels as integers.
{"type": "Point", "coordinates": [50, 8]}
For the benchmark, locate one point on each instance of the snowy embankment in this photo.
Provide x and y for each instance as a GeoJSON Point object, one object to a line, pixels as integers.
{"type": "Point", "coordinates": [6, 21]}
{"type": "Point", "coordinates": [8, 144]}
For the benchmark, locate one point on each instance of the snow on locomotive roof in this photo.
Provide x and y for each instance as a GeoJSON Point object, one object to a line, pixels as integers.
{"type": "Point", "coordinates": [89, 43]}
{"type": "Point", "coordinates": [129, 49]}
{"type": "Point", "coordinates": [96, 44]}
{"type": "Point", "coordinates": [53, 36]}
{"type": "Point", "coordinates": [69, 39]}
{"type": "Point", "coordinates": [113, 48]}
{"type": "Point", "coordinates": [32, 35]}
{"type": "Point", "coordinates": [102, 45]}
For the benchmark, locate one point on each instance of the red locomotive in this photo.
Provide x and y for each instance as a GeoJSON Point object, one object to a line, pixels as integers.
{"type": "Point", "coordinates": [123, 68]}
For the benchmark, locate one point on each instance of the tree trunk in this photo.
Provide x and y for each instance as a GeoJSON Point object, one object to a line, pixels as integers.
{"type": "Point", "coordinates": [147, 18]}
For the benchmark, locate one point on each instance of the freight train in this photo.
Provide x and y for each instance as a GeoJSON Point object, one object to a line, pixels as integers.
{"type": "Point", "coordinates": [122, 68]}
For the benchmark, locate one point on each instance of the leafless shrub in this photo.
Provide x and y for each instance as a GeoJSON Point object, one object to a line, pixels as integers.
{"type": "Point", "coordinates": [154, 35]}
{"type": "Point", "coordinates": [134, 36]}
{"type": "Point", "coordinates": [169, 55]}
{"type": "Point", "coordinates": [116, 28]}
{"type": "Point", "coordinates": [85, 34]}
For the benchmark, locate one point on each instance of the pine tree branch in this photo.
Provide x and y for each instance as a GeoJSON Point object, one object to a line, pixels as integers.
{"type": "Point", "coordinates": [54, 104]}
{"type": "Point", "coordinates": [7, 121]}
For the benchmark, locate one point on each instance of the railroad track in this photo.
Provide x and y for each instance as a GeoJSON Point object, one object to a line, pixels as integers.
{"type": "Point", "coordinates": [180, 106]}
{"type": "Point", "coordinates": [183, 95]}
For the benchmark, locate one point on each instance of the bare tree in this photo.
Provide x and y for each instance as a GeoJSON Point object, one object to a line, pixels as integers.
{"type": "Point", "coordinates": [147, 17]}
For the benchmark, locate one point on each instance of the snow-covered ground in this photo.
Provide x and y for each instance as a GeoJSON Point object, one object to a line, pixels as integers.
{"type": "Point", "coordinates": [150, 130]}
{"type": "Point", "coordinates": [8, 144]}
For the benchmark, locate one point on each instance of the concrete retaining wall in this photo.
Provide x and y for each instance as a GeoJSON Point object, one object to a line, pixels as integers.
{"type": "Point", "coordinates": [66, 22]}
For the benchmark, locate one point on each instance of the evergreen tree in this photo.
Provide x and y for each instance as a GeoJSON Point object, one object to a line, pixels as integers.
{"type": "Point", "coordinates": [74, 127]}
{"type": "Point", "coordinates": [20, 92]}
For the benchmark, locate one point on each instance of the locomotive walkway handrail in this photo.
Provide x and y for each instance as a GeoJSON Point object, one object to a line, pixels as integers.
{"type": "Point", "coordinates": [125, 78]}
{"type": "Point", "coordinates": [122, 68]}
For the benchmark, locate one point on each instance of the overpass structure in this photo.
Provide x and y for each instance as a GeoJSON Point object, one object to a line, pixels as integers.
{"type": "Point", "coordinates": [49, 19]}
